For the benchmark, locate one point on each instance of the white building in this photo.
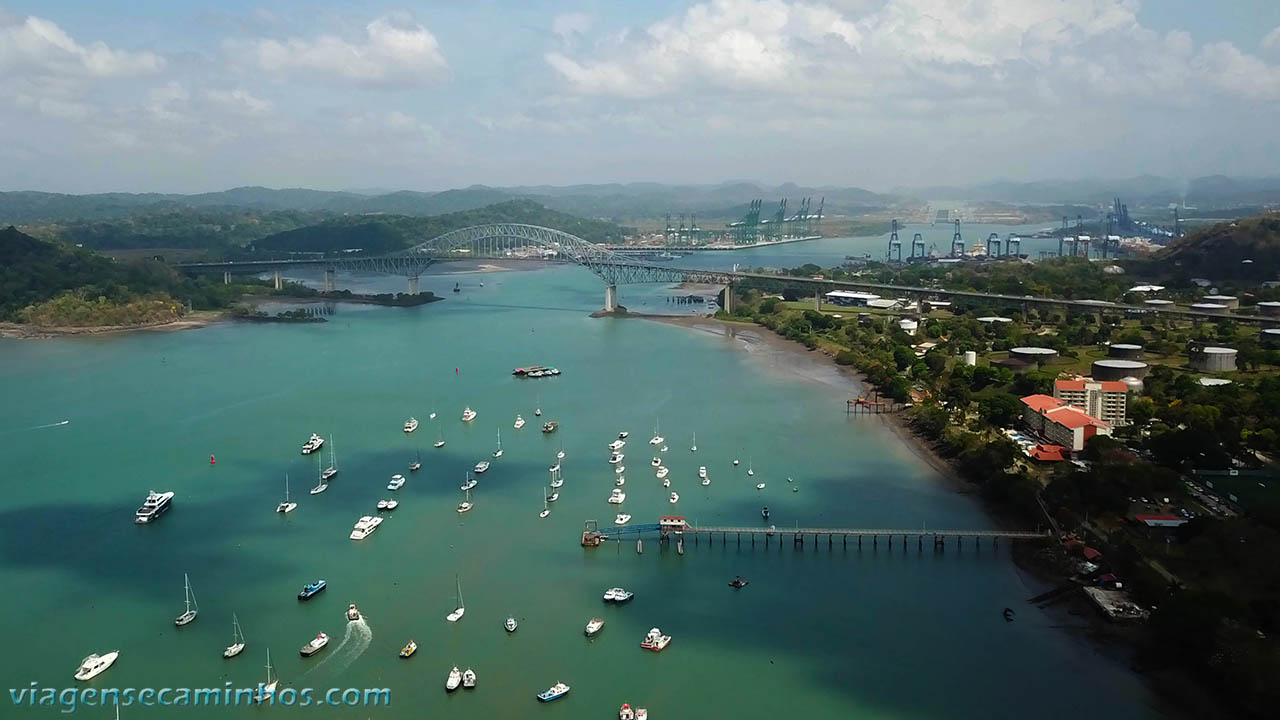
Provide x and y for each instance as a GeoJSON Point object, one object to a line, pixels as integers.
{"type": "Point", "coordinates": [1103, 399]}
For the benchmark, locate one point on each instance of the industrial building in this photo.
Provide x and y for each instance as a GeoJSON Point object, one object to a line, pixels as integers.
{"type": "Point", "coordinates": [1213, 359]}
{"type": "Point", "coordinates": [1061, 424]}
{"type": "Point", "coordinates": [1106, 400]}
{"type": "Point", "coordinates": [849, 299]}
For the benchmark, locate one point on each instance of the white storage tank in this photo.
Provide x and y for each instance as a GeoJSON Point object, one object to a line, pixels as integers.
{"type": "Point", "coordinates": [1213, 359]}
{"type": "Point", "coordinates": [1158, 304]}
{"type": "Point", "coordinates": [994, 319]}
{"type": "Point", "coordinates": [1125, 351]}
{"type": "Point", "coordinates": [1207, 307]}
{"type": "Point", "coordinates": [1269, 337]}
{"type": "Point", "coordinates": [1269, 307]}
{"type": "Point", "coordinates": [1116, 369]}
{"type": "Point", "coordinates": [1229, 301]}
{"type": "Point", "coordinates": [1037, 355]}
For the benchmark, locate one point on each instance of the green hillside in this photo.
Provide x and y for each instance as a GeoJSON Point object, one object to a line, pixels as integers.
{"type": "Point", "coordinates": [1245, 249]}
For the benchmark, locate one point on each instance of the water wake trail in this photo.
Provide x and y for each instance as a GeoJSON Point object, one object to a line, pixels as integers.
{"type": "Point", "coordinates": [37, 427]}
{"type": "Point", "coordinates": [355, 641]}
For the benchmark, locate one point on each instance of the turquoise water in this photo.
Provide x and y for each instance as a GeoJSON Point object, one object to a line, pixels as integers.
{"type": "Point", "coordinates": [818, 633]}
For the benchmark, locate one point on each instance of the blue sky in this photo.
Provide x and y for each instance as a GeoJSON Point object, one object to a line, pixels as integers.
{"type": "Point", "coordinates": [192, 96]}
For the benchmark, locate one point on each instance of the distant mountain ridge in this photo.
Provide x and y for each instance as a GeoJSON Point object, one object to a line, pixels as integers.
{"type": "Point", "coordinates": [1143, 190]}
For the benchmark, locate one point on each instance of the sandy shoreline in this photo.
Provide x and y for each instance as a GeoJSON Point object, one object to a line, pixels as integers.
{"type": "Point", "coordinates": [40, 332]}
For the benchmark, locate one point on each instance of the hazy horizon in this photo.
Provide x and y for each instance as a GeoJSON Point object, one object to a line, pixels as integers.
{"type": "Point", "coordinates": [198, 96]}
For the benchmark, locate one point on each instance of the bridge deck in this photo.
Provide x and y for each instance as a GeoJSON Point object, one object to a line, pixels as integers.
{"type": "Point", "coordinates": [850, 532]}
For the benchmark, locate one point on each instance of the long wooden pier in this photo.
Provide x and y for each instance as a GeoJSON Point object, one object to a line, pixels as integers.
{"type": "Point", "coordinates": [801, 536]}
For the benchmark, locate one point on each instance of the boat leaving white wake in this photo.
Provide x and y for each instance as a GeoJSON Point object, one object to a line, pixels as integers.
{"type": "Point", "coordinates": [38, 427]}
{"type": "Point", "coordinates": [355, 641]}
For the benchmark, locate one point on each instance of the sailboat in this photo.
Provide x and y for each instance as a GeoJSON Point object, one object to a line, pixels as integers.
{"type": "Point", "coordinates": [694, 446]}
{"type": "Point", "coordinates": [268, 688]}
{"type": "Point", "coordinates": [193, 608]}
{"type": "Point", "coordinates": [417, 463]}
{"type": "Point", "coordinates": [286, 506]}
{"type": "Point", "coordinates": [556, 478]}
{"type": "Point", "coordinates": [321, 485]}
{"type": "Point", "coordinates": [237, 639]}
{"type": "Point", "coordinates": [440, 440]}
{"type": "Point", "coordinates": [332, 470]}
{"type": "Point", "coordinates": [657, 438]}
{"type": "Point", "coordinates": [498, 453]}
{"type": "Point", "coordinates": [461, 610]}
{"type": "Point", "coordinates": [432, 414]}
{"type": "Point", "coordinates": [750, 467]}
{"type": "Point", "coordinates": [545, 510]}
{"type": "Point", "coordinates": [465, 505]}
{"type": "Point", "coordinates": [560, 455]}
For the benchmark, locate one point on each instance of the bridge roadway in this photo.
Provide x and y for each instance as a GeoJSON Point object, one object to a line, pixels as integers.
{"type": "Point", "coordinates": [814, 531]}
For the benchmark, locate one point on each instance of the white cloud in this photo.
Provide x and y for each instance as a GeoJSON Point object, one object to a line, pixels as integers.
{"type": "Point", "coordinates": [238, 101]}
{"type": "Point", "coordinates": [570, 25]}
{"type": "Point", "coordinates": [37, 46]}
{"type": "Point", "coordinates": [1271, 41]}
{"type": "Point", "coordinates": [391, 51]}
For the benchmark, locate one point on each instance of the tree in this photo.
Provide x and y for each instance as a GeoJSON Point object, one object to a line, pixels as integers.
{"type": "Point", "coordinates": [1000, 409]}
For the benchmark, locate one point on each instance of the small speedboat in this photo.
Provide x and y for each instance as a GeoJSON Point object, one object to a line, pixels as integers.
{"type": "Point", "coordinates": [764, 512]}
{"type": "Point", "coordinates": [620, 481]}
{"type": "Point", "coordinates": [519, 422]}
{"type": "Point", "coordinates": [617, 497]}
{"type": "Point", "coordinates": [738, 582]}
{"type": "Point", "coordinates": [455, 679]}
{"type": "Point", "coordinates": [626, 713]}
{"type": "Point", "coordinates": [617, 445]}
{"type": "Point", "coordinates": [555, 692]}
{"type": "Point", "coordinates": [468, 678]}
{"type": "Point", "coordinates": [662, 472]}
{"type": "Point", "coordinates": [352, 613]}
{"type": "Point", "coordinates": [594, 626]}
{"type": "Point", "coordinates": [642, 714]}
{"type": "Point", "coordinates": [468, 415]}
{"type": "Point", "coordinates": [616, 458]}
{"type": "Point", "coordinates": [388, 504]}
{"type": "Point", "coordinates": [510, 624]}
{"type": "Point", "coordinates": [702, 471]}
{"type": "Point", "coordinates": [666, 482]}
{"type": "Point", "coordinates": [410, 648]}
{"type": "Point", "coordinates": [550, 427]}
{"type": "Point", "coordinates": [675, 498]}
{"type": "Point", "coordinates": [759, 486]}
{"type": "Point", "coordinates": [622, 519]}
{"type": "Point", "coordinates": [735, 462]}
{"type": "Point", "coordinates": [481, 466]}
{"type": "Point", "coordinates": [706, 481]}
{"type": "Point", "coordinates": [95, 665]}
{"type": "Point", "coordinates": [311, 589]}
{"type": "Point", "coordinates": [657, 462]}
{"type": "Point", "coordinates": [623, 435]}
{"type": "Point", "coordinates": [316, 644]}
{"type": "Point", "coordinates": [655, 641]}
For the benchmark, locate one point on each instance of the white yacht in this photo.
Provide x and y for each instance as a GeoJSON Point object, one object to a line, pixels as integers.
{"type": "Point", "coordinates": [193, 608]}
{"type": "Point", "coordinates": [702, 471]}
{"type": "Point", "coordinates": [315, 645]}
{"type": "Point", "coordinates": [468, 415]}
{"type": "Point", "coordinates": [623, 435]}
{"type": "Point", "coordinates": [706, 481]}
{"type": "Point", "coordinates": [666, 482]}
{"type": "Point", "coordinates": [267, 689]}
{"type": "Point", "coordinates": [365, 526]}
{"type": "Point", "coordinates": [619, 469]}
{"type": "Point", "coordinates": [655, 641]}
{"type": "Point", "coordinates": [461, 610]}
{"type": "Point", "coordinates": [286, 506]}
{"type": "Point", "coordinates": [594, 625]}
{"type": "Point", "coordinates": [617, 445]}
{"type": "Point", "coordinates": [332, 470]}
{"type": "Point", "coordinates": [617, 497]}
{"type": "Point", "coordinates": [498, 453]}
{"type": "Point", "coordinates": [416, 465]}
{"type": "Point", "coordinates": [465, 505]}
{"type": "Point", "coordinates": [469, 483]}
{"type": "Point", "coordinates": [481, 466]}
{"type": "Point", "coordinates": [94, 665]}
{"type": "Point", "coordinates": [759, 486]}
{"type": "Point", "coordinates": [616, 458]}
{"type": "Point", "coordinates": [388, 504]}
{"type": "Point", "coordinates": [237, 639]}
{"type": "Point", "coordinates": [663, 471]}
{"type": "Point", "coordinates": [312, 444]}
{"type": "Point", "coordinates": [618, 595]}
{"type": "Point", "coordinates": [153, 507]}
{"type": "Point", "coordinates": [321, 485]}
{"type": "Point", "coordinates": [454, 680]}
{"type": "Point", "coordinates": [468, 678]}
{"type": "Point", "coordinates": [622, 519]}
{"type": "Point", "coordinates": [657, 438]}
{"type": "Point", "coordinates": [735, 462]}
{"type": "Point", "coordinates": [657, 462]}
{"type": "Point", "coordinates": [397, 482]}
{"type": "Point", "coordinates": [410, 425]}
{"type": "Point", "coordinates": [519, 422]}
{"type": "Point", "coordinates": [675, 498]}
{"type": "Point", "coordinates": [620, 480]}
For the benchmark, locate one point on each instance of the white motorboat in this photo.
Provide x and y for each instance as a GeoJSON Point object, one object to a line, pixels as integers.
{"type": "Point", "coordinates": [353, 614]}
{"type": "Point", "coordinates": [481, 466]}
{"type": "Point", "coordinates": [735, 462]}
{"type": "Point", "coordinates": [656, 462]}
{"type": "Point", "coordinates": [469, 483]}
{"type": "Point", "coordinates": [498, 453]}
{"type": "Point", "coordinates": [642, 714]}
{"type": "Point", "coordinates": [675, 498]}
{"type": "Point", "coordinates": [267, 689]}
{"type": "Point", "coordinates": [315, 645]}
{"type": "Point", "coordinates": [620, 481]}
{"type": "Point", "coordinates": [663, 472]}
{"type": "Point", "coordinates": [519, 422]}
{"type": "Point", "coordinates": [623, 435]}
{"type": "Point", "coordinates": [555, 692]}
{"type": "Point", "coordinates": [616, 458]}
{"type": "Point", "coordinates": [397, 482]}
{"type": "Point", "coordinates": [286, 506]}
{"type": "Point", "coordinates": [759, 486]}
{"type": "Point", "coordinates": [410, 425]}
{"type": "Point", "coordinates": [655, 641]}
{"type": "Point", "coordinates": [706, 481]}
{"type": "Point", "coordinates": [702, 471]}
{"type": "Point", "coordinates": [694, 446]}
{"type": "Point", "coordinates": [365, 526]}
{"type": "Point", "coordinates": [94, 665]}
{"type": "Point", "coordinates": [465, 505]}
{"type": "Point", "coordinates": [388, 504]}
{"type": "Point", "coordinates": [626, 713]}
{"type": "Point", "coordinates": [312, 444]}
{"type": "Point", "coordinates": [617, 445]}
{"type": "Point", "coordinates": [455, 679]}
{"type": "Point", "coordinates": [621, 595]}
{"type": "Point", "coordinates": [468, 678]}
{"type": "Point", "coordinates": [666, 483]}
{"type": "Point", "coordinates": [662, 449]}
{"type": "Point", "coordinates": [621, 519]}
{"type": "Point", "coordinates": [461, 610]}
{"type": "Point", "coordinates": [617, 497]}
{"type": "Point", "coordinates": [193, 608]}
{"type": "Point", "coordinates": [153, 507]}
{"type": "Point", "coordinates": [321, 485]}
{"type": "Point", "coordinates": [510, 623]}
{"type": "Point", "coordinates": [468, 415]}
{"type": "Point", "coordinates": [619, 469]}
{"type": "Point", "coordinates": [237, 639]}
{"type": "Point", "coordinates": [594, 625]}
{"type": "Point", "coordinates": [612, 594]}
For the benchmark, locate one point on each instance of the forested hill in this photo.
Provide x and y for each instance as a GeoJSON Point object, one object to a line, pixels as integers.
{"type": "Point", "coordinates": [1248, 248]}
{"type": "Point", "coordinates": [376, 234]}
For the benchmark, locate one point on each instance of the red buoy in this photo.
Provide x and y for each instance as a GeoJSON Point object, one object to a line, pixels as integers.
{"type": "Point", "coordinates": [211, 460]}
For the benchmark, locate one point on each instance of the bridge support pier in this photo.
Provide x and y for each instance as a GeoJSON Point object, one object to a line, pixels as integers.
{"type": "Point", "coordinates": [329, 274]}
{"type": "Point", "coordinates": [279, 284]}
{"type": "Point", "coordinates": [226, 278]}
{"type": "Point", "coordinates": [611, 298]}
{"type": "Point", "coordinates": [730, 302]}
{"type": "Point", "coordinates": [817, 300]}
{"type": "Point", "coordinates": [413, 284]}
